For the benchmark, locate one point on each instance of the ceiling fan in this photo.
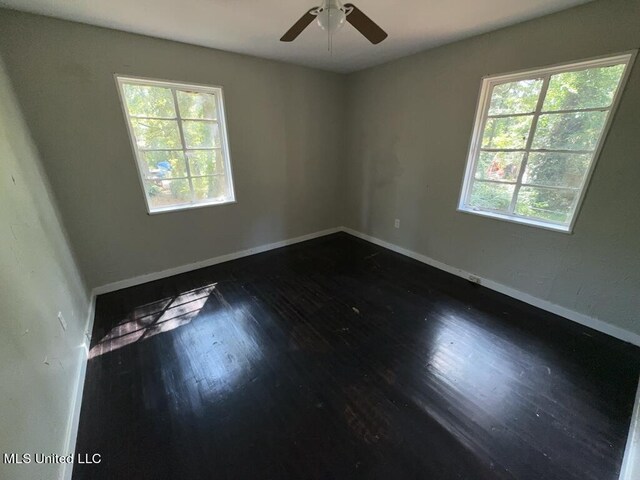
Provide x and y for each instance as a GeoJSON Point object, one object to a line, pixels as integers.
{"type": "Point", "coordinates": [331, 16]}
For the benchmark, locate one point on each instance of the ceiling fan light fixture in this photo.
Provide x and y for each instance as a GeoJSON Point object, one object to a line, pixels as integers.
{"type": "Point", "coordinates": [331, 18]}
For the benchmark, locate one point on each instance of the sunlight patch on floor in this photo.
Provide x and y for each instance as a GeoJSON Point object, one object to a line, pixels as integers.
{"type": "Point", "coordinates": [154, 318]}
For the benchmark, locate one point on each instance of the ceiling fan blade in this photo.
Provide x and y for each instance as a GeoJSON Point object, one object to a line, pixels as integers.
{"type": "Point", "coordinates": [365, 25]}
{"type": "Point", "coordinates": [299, 26]}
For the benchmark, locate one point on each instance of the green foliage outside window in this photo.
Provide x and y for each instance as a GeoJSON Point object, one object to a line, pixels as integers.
{"type": "Point", "coordinates": [552, 178]}
{"type": "Point", "coordinates": [179, 151]}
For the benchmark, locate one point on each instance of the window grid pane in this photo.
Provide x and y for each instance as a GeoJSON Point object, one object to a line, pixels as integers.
{"type": "Point", "coordinates": [530, 139]}
{"type": "Point", "coordinates": [583, 89]}
{"type": "Point", "coordinates": [552, 205]}
{"type": "Point", "coordinates": [163, 151]}
{"type": "Point", "coordinates": [182, 139]}
{"type": "Point", "coordinates": [548, 189]}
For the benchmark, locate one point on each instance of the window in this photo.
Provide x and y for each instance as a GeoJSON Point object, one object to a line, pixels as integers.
{"type": "Point", "coordinates": [179, 138]}
{"type": "Point", "coordinates": [536, 138]}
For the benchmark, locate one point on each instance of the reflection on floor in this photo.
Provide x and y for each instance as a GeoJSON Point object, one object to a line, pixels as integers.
{"type": "Point", "coordinates": [338, 359]}
{"type": "Point", "coordinates": [153, 318]}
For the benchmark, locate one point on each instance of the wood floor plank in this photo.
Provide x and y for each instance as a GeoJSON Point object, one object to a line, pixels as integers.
{"type": "Point", "coordinates": [339, 359]}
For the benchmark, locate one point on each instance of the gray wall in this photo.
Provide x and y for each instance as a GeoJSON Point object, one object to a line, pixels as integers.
{"type": "Point", "coordinates": [408, 122]}
{"type": "Point", "coordinates": [409, 125]}
{"type": "Point", "coordinates": [285, 128]}
{"type": "Point", "coordinates": [38, 278]}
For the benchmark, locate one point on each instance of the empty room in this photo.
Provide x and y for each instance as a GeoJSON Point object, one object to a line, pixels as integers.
{"type": "Point", "coordinates": [311, 239]}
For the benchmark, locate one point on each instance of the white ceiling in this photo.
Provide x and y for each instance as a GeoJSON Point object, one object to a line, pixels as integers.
{"type": "Point", "coordinates": [254, 27]}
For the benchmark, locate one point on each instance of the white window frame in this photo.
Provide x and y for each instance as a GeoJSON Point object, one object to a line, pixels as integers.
{"type": "Point", "coordinates": [224, 139]}
{"type": "Point", "coordinates": [481, 116]}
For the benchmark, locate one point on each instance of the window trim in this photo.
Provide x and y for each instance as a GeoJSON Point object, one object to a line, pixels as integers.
{"type": "Point", "coordinates": [217, 90]}
{"type": "Point", "coordinates": [481, 116]}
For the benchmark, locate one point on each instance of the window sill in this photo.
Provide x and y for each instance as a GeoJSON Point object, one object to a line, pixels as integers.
{"type": "Point", "coordinates": [190, 206]}
{"type": "Point", "coordinates": [520, 220]}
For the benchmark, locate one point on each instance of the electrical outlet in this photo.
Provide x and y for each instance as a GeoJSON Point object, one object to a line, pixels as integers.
{"type": "Point", "coordinates": [474, 279]}
{"type": "Point", "coordinates": [397, 223]}
{"type": "Point", "coordinates": [62, 321]}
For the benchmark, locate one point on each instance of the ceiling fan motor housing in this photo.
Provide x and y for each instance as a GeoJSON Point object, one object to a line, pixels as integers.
{"type": "Point", "coordinates": [331, 15]}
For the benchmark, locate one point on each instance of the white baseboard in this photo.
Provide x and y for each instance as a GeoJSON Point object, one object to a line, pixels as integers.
{"type": "Point", "coordinates": [631, 462]}
{"type": "Point", "coordinates": [74, 416]}
{"type": "Point", "coordinates": [630, 469]}
{"type": "Point", "coordinates": [580, 318]}
{"type": "Point", "coordinates": [88, 328]}
{"type": "Point", "coordinates": [591, 322]}
{"type": "Point", "coordinates": [149, 277]}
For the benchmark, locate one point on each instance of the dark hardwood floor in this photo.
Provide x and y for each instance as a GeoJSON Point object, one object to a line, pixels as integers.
{"type": "Point", "coordinates": [338, 359]}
